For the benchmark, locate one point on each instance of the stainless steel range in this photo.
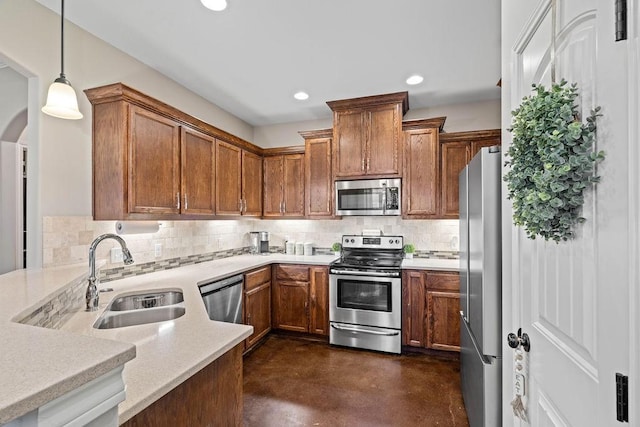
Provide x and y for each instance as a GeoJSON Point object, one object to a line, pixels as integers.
{"type": "Point", "coordinates": [365, 293]}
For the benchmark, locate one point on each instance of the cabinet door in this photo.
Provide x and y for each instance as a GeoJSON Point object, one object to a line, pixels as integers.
{"type": "Point", "coordinates": [251, 184]}
{"type": "Point", "coordinates": [228, 178]}
{"type": "Point", "coordinates": [318, 180]}
{"type": "Point", "coordinates": [291, 306]}
{"type": "Point", "coordinates": [319, 292]}
{"type": "Point", "coordinates": [293, 185]}
{"type": "Point", "coordinates": [421, 183]}
{"type": "Point", "coordinates": [198, 172]}
{"type": "Point", "coordinates": [413, 314]}
{"type": "Point", "coordinates": [349, 144]}
{"type": "Point", "coordinates": [257, 304]}
{"type": "Point", "coordinates": [272, 183]}
{"type": "Point", "coordinates": [443, 308]}
{"type": "Point", "coordinates": [154, 174]}
{"type": "Point", "coordinates": [443, 330]}
{"type": "Point", "coordinates": [454, 157]}
{"type": "Point", "coordinates": [384, 132]}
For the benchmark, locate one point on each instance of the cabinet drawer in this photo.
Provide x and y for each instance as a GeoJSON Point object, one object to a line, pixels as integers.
{"type": "Point", "coordinates": [296, 273]}
{"type": "Point", "coordinates": [257, 277]}
{"type": "Point", "coordinates": [443, 280]}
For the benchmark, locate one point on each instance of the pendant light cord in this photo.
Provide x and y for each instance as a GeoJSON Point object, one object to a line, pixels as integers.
{"type": "Point", "coordinates": [62, 40]}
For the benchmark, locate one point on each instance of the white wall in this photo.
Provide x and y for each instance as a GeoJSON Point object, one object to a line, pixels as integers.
{"type": "Point", "coordinates": [13, 96]}
{"type": "Point", "coordinates": [29, 36]}
{"type": "Point", "coordinates": [460, 117]}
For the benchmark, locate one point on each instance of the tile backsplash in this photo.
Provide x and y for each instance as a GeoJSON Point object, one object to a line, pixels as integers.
{"type": "Point", "coordinates": [66, 240]}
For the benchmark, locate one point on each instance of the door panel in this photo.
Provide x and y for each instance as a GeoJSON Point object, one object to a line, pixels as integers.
{"type": "Point", "coordinates": [571, 297]}
{"type": "Point", "coordinates": [228, 179]}
{"type": "Point", "coordinates": [251, 184]}
{"type": "Point", "coordinates": [383, 141]}
{"type": "Point", "coordinates": [198, 172]}
{"type": "Point", "coordinates": [349, 144]}
{"type": "Point", "coordinates": [154, 178]}
{"type": "Point", "coordinates": [272, 181]}
{"type": "Point", "coordinates": [293, 185]}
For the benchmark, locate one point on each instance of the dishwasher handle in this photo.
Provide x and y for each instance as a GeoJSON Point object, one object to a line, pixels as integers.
{"type": "Point", "coordinates": [215, 286]}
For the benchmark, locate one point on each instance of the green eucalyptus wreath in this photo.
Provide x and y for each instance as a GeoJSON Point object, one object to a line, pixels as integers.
{"type": "Point", "coordinates": [552, 161]}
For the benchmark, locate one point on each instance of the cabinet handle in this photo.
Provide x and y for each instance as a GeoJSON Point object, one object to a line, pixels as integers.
{"type": "Point", "coordinates": [306, 307]}
{"type": "Point", "coordinates": [362, 166]}
{"type": "Point", "coordinates": [249, 318]}
{"type": "Point", "coordinates": [284, 207]}
{"type": "Point", "coordinates": [186, 202]}
{"type": "Point", "coordinates": [240, 205]}
{"type": "Point", "coordinates": [178, 200]}
{"type": "Point", "coordinates": [368, 161]}
{"type": "Point", "coordinates": [244, 205]}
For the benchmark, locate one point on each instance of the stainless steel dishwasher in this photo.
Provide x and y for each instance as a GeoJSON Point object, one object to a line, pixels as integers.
{"type": "Point", "coordinates": [223, 299]}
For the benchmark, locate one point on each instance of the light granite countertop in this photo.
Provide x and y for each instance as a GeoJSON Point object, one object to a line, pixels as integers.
{"type": "Point", "coordinates": [40, 364]}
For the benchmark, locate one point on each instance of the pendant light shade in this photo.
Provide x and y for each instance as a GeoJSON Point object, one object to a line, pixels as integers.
{"type": "Point", "coordinates": [61, 99]}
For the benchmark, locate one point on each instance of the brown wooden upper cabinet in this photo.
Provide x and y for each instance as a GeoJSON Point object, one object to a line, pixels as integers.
{"type": "Point", "coordinates": [283, 185]}
{"type": "Point", "coordinates": [152, 161]}
{"type": "Point", "coordinates": [318, 178]}
{"type": "Point", "coordinates": [456, 151]}
{"type": "Point", "coordinates": [421, 182]}
{"type": "Point", "coordinates": [198, 163]}
{"type": "Point", "coordinates": [367, 135]}
{"type": "Point", "coordinates": [238, 181]}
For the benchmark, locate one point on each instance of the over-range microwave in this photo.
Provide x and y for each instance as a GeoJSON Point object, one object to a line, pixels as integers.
{"type": "Point", "coordinates": [368, 197]}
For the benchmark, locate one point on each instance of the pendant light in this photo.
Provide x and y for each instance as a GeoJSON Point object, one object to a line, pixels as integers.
{"type": "Point", "coordinates": [61, 99]}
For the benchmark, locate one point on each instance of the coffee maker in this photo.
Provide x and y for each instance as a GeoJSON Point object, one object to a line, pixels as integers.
{"type": "Point", "coordinates": [259, 242]}
{"type": "Point", "coordinates": [264, 242]}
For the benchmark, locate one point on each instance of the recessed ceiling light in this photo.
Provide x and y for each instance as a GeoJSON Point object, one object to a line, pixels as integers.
{"type": "Point", "coordinates": [216, 5]}
{"type": "Point", "coordinates": [415, 80]}
{"type": "Point", "coordinates": [301, 96]}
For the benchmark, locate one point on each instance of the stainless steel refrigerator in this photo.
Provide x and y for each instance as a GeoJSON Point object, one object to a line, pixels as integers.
{"type": "Point", "coordinates": [481, 289]}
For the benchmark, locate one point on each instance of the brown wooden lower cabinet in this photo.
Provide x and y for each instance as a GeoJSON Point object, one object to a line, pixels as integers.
{"type": "Point", "coordinates": [431, 306]}
{"type": "Point", "coordinates": [211, 397]}
{"type": "Point", "coordinates": [257, 304]}
{"type": "Point", "coordinates": [301, 298]}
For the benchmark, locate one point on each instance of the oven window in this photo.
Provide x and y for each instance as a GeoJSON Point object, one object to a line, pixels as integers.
{"type": "Point", "coordinates": [361, 199]}
{"type": "Point", "coordinates": [364, 295]}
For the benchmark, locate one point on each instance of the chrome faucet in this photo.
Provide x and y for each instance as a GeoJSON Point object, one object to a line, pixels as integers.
{"type": "Point", "coordinates": [92, 289]}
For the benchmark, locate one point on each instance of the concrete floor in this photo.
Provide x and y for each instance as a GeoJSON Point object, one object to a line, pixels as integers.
{"type": "Point", "coordinates": [292, 382]}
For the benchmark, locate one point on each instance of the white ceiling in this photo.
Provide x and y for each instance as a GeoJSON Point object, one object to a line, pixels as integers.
{"type": "Point", "coordinates": [251, 58]}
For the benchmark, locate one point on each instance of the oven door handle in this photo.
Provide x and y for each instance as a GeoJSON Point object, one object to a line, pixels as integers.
{"type": "Point", "coordinates": [364, 331]}
{"type": "Point", "coordinates": [363, 273]}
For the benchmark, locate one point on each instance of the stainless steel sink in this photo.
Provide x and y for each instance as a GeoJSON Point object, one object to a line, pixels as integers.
{"type": "Point", "coordinates": [119, 319]}
{"type": "Point", "coordinates": [147, 299]}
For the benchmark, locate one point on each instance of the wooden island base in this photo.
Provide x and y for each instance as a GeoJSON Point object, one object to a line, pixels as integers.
{"type": "Point", "coordinates": [211, 397]}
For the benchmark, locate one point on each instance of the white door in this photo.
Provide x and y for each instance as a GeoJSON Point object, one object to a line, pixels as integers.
{"type": "Point", "coordinates": [572, 299]}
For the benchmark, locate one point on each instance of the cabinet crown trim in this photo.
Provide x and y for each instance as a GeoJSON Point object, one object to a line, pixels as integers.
{"type": "Point", "coordinates": [435, 122]}
{"type": "Point", "coordinates": [370, 101]}
{"type": "Point", "coordinates": [319, 133]}
{"type": "Point", "coordinates": [470, 135]}
{"type": "Point", "coordinates": [121, 92]}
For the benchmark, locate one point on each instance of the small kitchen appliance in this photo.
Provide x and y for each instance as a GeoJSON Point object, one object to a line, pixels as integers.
{"type": "Point", "coordinates": [264, 242]}
{"type": "Point", "coordinates": [365, 293]}
{"type": "Point", "coordinates": [254, 242]}
{"type": "Point", "coordinates": [258, 242]}
{"type": "Point", "coordinates": [368, 197]}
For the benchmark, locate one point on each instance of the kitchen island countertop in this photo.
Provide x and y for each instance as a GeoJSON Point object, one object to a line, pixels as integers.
{"type": "Point", "coordinates": [166, 353]}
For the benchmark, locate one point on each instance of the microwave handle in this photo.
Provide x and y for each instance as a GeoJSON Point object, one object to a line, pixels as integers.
{"type": "Point", "coordinates": [384, 198]}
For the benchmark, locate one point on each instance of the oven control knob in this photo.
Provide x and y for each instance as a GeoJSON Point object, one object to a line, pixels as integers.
{"type": "Point", "coordinates": [353, 241]}
{"type": "Point", "coordinates": [397, 241]}
{"type": "Point", "coordinates": [390, 241]}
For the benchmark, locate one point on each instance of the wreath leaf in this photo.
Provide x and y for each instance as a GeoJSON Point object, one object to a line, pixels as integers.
{"type": "Point", "coordinates": [551, 161]}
